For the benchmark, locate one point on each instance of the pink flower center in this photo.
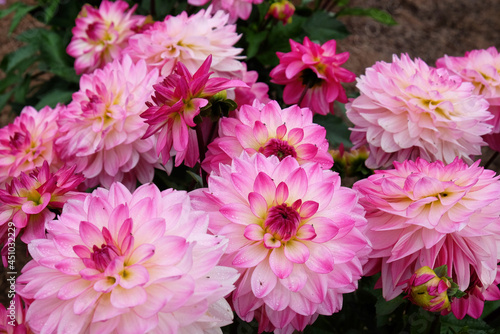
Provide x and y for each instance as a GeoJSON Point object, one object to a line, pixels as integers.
{"type": "Point", "coordinates": [279, 148]}
{"type": "Point", "coordinates": [103, 256]}
{"type": "Point", "coordinates": [282, 221]}
{"type": "Point", "coordinates": [17, 141]}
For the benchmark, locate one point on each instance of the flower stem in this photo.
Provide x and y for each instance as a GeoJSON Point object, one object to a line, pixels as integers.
{"type": "Point", "coordinates": [201, 149]}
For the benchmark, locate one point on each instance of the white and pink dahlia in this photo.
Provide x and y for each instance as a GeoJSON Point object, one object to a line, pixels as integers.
{"type": "Point", "coordinates": [101, 34]}
{"type": "Point", "coordinates": [407, 110]}
{"type": "Point", "coordinates": [270, 130]}
{"type": "Point", "coordinates": [294, 234]}
{"type": "Point", "coordinates": [27, 142]}
{"type": "Point", "coordinates": [121, 262]}
{"type": "Point", "coordinates": [190, 40]}
{"type": "Point", "coordinates": [432, 214]}
{"type": "Point", "coordinates": [237, 9]}
{"type": "Point", "coordinates": [101, 129]}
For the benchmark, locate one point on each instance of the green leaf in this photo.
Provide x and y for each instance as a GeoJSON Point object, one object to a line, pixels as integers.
{"type": "Point", "coordinates": [377, 14]}
{"type": "Point", "coordinates": [50, 9]}
{"type": "Point", "coordinates": [9, 80]}
{"type": "Point", "coordinates": [4, 98]}
{"type": "Point", "coordinates": [20, 11]}
{"type": "Point", "coordinates": [450, 324]}
{"type": "Point", "coordinates": [336, 130]}
{"type": "Point", "coordinates": [24, 54]}
{"type": "Point", "coordinates": [254, 39]}
{"type": "Point", "coordinates": [53, 97]}
{"type": "Point", "coordinates": [323, 26]}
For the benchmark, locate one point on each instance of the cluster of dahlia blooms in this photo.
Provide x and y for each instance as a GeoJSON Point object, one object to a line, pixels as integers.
{"type": "Point", "coordinates": [431, 214]}
{"type": "Point", "coordinates": [407, 110]}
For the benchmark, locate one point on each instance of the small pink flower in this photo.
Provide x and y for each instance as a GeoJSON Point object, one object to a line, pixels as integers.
{"type": "Point", "coordinates": [101, 129]}
{"type": "Point", "coordinates": [100, 34]}
{"type": "Point", "coordinates": [312, 75]}
{"type": "Point", "coordinates": [121, 262]}
{"type": "Point", "coordinates": [294, 234]}
{"type": "Point", "coordinates": [27, 142]}
{"type": "Point", "coordinates": [407, 110]}
{"type": "Point", "coordinates": [190, 40]}
{"type": "Point", "coordinates": [282, 11]}
{"type": "Point", "coordinates": [432, 214]}
{"type": "Point", "coordinates": [271, 131]}
{"type": "Point", "coordinates": [178, 100]}
{"type": "Point", "coordinates": [237, 9]}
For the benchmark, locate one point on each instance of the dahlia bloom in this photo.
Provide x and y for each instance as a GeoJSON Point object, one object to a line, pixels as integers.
{"type": "Point", "coordinates": [27, 201]}
{"type": "Point", "coordinates": [407, 110]}
{"type": "Point", "coordinates": [190, 40]}
{"type": "Point", "coordinates": [121, 262]}
{"type": "Point", "coordinates": [27, 142]}
{"type": "Point", "coordinates": [254, 91]}
{"type": "Point", "coordinates": [294, 234]}
{"type": "Point", "coordinates": [101, 129]}
{"type": "Point", "coordinates": [312, 75]}
{"type": "Point", "coordinates": [432, 214]}
{"type": "Point", "coordinates": [271, 131]}
{"type": "Point", "coordinates": [178, 100]}
{"type": "Point", "coordinates": [428, 290]}
{"type": "Point", "coordinates": [100, 34]}
{"type": "Point", "coordinates": [237, 9]}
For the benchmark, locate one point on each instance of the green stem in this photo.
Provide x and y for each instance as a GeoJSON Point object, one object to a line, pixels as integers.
{"type": "Point", "coordinates": [201, 149]}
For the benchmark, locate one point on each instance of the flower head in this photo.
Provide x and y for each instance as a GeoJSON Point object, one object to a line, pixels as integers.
{"type": "Point", "coordinates": [27, 142]}
{"type": "Point", "coordinates": [100, 34]}
{"type": "Point", "coordinates": [432, 214]}
{"type": "Point", "coordinates": [312, 75]}
{"type": "Point", "coordinates": [428, 290]}
{"type": "Point", "coordinates": [190, 40]}
{"type": "Point", "coordinates": [294, 234]}
{"type": "Point", "coordinates": [271, 131]}
{"type": "Point", "coordinates": [255, 90]}
{"type": "Point", "coordinates": [177, 101]}
{"type": "Point", "coordinates": [237, 9]}
{"type": "Point", "coordinates": [282, 11]}
{"type": "Point", "coordinates": [121, 262]}
{"type": "Point", "coordinates": [407, 110]}
{"type": "Point", "coordinates": [102, 128]}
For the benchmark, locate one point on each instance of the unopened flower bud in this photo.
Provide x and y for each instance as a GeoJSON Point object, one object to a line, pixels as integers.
{"type": "Point", "coordinates": [428, 290]}
{"type": "Point", "coordinates": [282, 11]}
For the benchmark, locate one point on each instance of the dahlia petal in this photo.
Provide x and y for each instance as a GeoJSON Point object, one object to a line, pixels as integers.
{"type": "Point", "coordinates": [122, 297]}
{"type": "Point", "coordinates": [297, 183]}
{"type": "Point", "coordinates": [90, 234]}
{"type": "Point", "coordinates": [254, 232]}
{"type": "Point", "coordinates": [281, 193]}
{"type": "Point", "coordinates": [34, 208]}
{"type": "Point", "coordinates": [250, 256]}
{"type": "Point", "coordinates": [321, 259]}
{"type": "Point", "coordinates": [263, 280]}
{"type": "Point", "coordinates": [258, 204]}
{"type": "Point", "coordinates": [280, 264]}
{"type": "Point", "coordinates": [296, 251]}
{"type": "Point", "coordinates": [132, 276]}
{"type": "Point", "coordinates": [85, 300]}
{"type": "Point", "coordinates": [265, 186]}
{"type": "Point", "coordinates": [239, 213]}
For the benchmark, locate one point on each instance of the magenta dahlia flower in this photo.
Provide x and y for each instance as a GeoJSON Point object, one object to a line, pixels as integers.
{"type": "Point", "coordinates": [294, 234]}
{"type": "Point", "coordinates": [407, 110]}
{"type": "Point", "coordinates": [101, 129]}
{"type": "Point", "coordinates": [101, 34]}
{"type": "Point", "coordinates": [27, 142]}
{"type": "Point", "coordinates": [237, 9]}
{"type": "Point", "coordinates": [271, 131]}
{"type": "Point", "coordinates": [121, 262]}
{"type": "Point", "coordinates": [254, 91]}
{"type": "Point", "coordinates": [190, 40]}
{"type": "Point", "coordinates": [28, 200]}
{"type": "Point", "coordinates": [178, 100]}
{"type": "Point", "coordinates": [432, 214]}
{"type": "Point", "coordinates": [312, 75]}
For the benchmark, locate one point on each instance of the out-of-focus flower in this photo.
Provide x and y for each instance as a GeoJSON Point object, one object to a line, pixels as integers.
{"type": "Point", "coordinates": [428, 290]}
{"type": "Point", "coordinates": [177, 101]}
{"type": "Point", "coordinates": [102, 128]}
{"type": "Point", "coordinates": [121, 262]}
{"type": "Point", "coordinates": [312, 75]}
{"type": "Point", "coordinates": [254, 91]}
{"type": "Point", "coordinates": [237, 9]}
{"type": "Point", "coordinates": [271, 131]}
{"type": "Point", "coordinates": [407, 110]}
{"type": "Point", "coordinates": [294, 234]}
{"type": "Point", "coordinates": [190, 40]}
{"type": "Point", "coordinates": [27, 142]}
{"type": "Point", "coordinates": [27, 201]}
{"type": "Point", "coordinates": [12, 317]}
{"type": "Point", "coordinates": [101, 34]}
{"type": "Point", "coordinates": [282, 11]}
{"type": "Point", "coordinates": [432, 214]}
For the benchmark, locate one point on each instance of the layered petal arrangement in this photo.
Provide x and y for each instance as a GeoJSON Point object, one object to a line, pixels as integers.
{"type": "Point", "coordinates": [102, 33]}
{"type": "Point", "coordinates": [121, 262]}
{"type": "Point", "coordinates": [101, 129]}
{"type": "Point", "coordinates": [312, 75]}
{"type": "Point", "coordinates": [27, 142]}
{"type": "Point", "coordinates": [177, 101]}
{"type": "Point", "coordinates": [407, 110]}
{"type": "Point", "coordinates": [270, 130]}
{"type": "Point", "coordinates": [237, 9]}
{"type": "Point", "coordinates": [255, 90]}
{"type": "Point", "coordinates": [190, 40]}
{"type": "Point", "coordinates": [294, 234]}
{"type": "Point", "coordinates": [432, 214]}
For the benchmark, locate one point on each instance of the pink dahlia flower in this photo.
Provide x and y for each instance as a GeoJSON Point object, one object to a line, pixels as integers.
{"type": "Point", "coordinates": [28, 200]}
{"type": "Point", "coordinates": [237, 9]}
{"type": "Point", "coordinates": [294, 234]}
{"type": "Point", "coordinates": [100, 34]}
{"type": "Point", "coordinates": [102, 128]}
{"type": "Point", "coordinates": [178, 100]}
{"type": "Point", "coordinates": [121, 262]}
{"type": "Point", "coordinates": [271, 131]}
{"type": "Point", "coordinates": [312, 75]}
{"type": "Point", "coordinates": [254, 91]}
{"type": "Point", "coordinates": [27, 142]}
{"type": "Point", "coordinates": [407, 110]}
{"type": "Point", "coordinates": [190, 40]}
{"type": "Point", "coordinates": [432, 214]}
